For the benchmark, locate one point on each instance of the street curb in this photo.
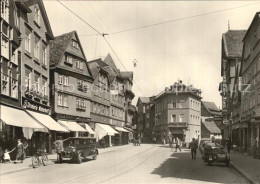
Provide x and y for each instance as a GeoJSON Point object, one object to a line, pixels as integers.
{"type": "Point", "coordinates": [243, 174]}
{"type": "Point", "coordinates": [21, 170]}
{"type": "Point", "coordinates": [25, 169]}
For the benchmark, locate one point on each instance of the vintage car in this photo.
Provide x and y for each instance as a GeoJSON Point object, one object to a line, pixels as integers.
{"type": "Point", "coordinates": [78, 148]}
{"type": "Point", "coordinates": [202, 143]}
{"type": "Point", "coordinates": [215, 153]}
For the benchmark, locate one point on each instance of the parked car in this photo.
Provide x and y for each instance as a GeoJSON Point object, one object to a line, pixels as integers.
{"type": "Point", "coordinates": [77, 149]}
{"type": "Point", "coordinates": [215, 153]}
{"type": "Point", "coordinates": [207, 144]}
{"type": "Point", "coordinates": [202, 141]}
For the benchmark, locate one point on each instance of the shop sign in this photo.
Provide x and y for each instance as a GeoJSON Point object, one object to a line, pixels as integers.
{"type": "Point", "coordinates": [34, 106]}
{"type": "Point", "coordinates": [177, 125]}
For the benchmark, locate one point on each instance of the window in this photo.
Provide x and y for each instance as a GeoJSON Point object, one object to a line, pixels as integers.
{"type": "Point", "coordinates": [66, 81]}
{"type": "Point", "coordinates": [36, 47]}
{"type": "Point", "coordinates": [37, 15]}
{"type": "Point", "coordinates": [69, 60]}
{"type": "Point", "coordinates": [181, 118]}
{"type": "Point", "coordinates": [44, 86]}
{"type": "Point", "coordinates": [5, 84]}
{"type": "Point", "coordinates": [77, 64]}
{"type": "Point", "coordinates": [5, 47]}
{"type": "Point", "coordinates": [173, 118]}
{"type": "Point", "coordinates": [5, 10]}
{"type": "Point", "coordinates": [65, 100]}
{"type": "Point", "coordinates": [81, 65]}
{"type": "Point", "coordinates": [75, 44]}
{"type": "Point", "coordinates": [27, 41]}
{"type": "Point", "coordinates": [14, 58]}
{"type": "Point", "coordinates": [14, 88]}
{"type": "Point", "coordinates": [60, 79]}
{"type": "Point", "coordinates": [17, 18]}
{"type": "Point", "coordinates": [83, 103]}
{"type": "Point", "coordinates": [44, 55]}
{"type": "Point", "coordinates": [80, 103]}
{"type": "Point", "coordinates": [37, 82]}
{"type": "Point", "coordinates": [60, 99]}
{"type": "Point", "coordinates": [28, 74]}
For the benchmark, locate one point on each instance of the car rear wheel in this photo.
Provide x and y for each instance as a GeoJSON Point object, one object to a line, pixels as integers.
{"type": "Point", "coordinates": [94, 157]}
{"type": "Point", "coordinates": [79, 158]}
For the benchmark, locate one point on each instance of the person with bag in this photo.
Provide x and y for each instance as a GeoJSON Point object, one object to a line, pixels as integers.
{"type": "Point", "coordinates": [193, 146]}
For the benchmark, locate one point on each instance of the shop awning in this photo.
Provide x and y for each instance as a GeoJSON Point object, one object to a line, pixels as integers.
{"type": "Point", "coordinates": [72, 126]}
{"type": "Point", "coordinates": [19, 118]}
{"type": "Point", "coordinates": [47, 121]}
{"type": "Point", "coordinates": [121, 129]}
{"type": "Point", "coordinates": [103, 130]}
{"type": "Point", "coordinates": [89, 129]}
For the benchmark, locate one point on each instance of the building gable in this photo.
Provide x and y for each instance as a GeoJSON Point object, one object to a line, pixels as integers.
{"type": "Point", "coordinates": [67, 53]}
{"type": "Point", "coordinates": [44, 21]}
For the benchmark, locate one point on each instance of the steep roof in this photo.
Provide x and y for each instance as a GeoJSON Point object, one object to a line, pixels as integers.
{"type": "Point", "coordinates": [109, 61]}
{"type": "Point", "coordinates": [210, 106]}
{"type": "Point", "coordinates": [145, 99]}
{"type": "Point", "coordinates": [233, 42]}
{"type": "Point", "coordinates": [127, 75]}
{"type": "Point", "coordinates": [99, 62]}
{"type": "Point", "coordinates": [257, 15]}
{"type": "Point", "coordinates": [212, 127]}
{"type": "Point", "coordinates": [58, 47]}
{"type": "Point", "coordinates": [96, 65]}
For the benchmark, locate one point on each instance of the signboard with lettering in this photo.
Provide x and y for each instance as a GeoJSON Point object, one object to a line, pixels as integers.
{"type": "Point", "coordinates": [31, 105]}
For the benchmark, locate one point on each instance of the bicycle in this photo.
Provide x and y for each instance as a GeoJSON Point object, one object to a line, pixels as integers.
{"type": "Point", "coordinates": [39, 158]}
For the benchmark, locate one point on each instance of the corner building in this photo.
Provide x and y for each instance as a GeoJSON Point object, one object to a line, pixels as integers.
{"type": "Point", "coordinates": [178, 113]}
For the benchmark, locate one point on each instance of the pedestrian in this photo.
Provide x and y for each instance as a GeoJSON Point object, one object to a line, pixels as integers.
{"type": "Point", "coordinates": [58, 144]}
{"type": "Point", "coordinates": [7, 157]}
{"type": "Point", "coordinates": [177, 141]}
{"type": "Point", "coordinates": [228, 144]}
{"type": "Point", "coordinates": [193, 146]}
{"type": "Point", "coordinates": [20, 151]}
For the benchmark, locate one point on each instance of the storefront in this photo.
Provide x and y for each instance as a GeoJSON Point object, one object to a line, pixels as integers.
{"type": "Point", "coordinates": [105, 132]}
{"type": "Point", "coordinates": [17, 124]}
{"type": "Point", "coordinates": [45, 141]}
{"type": "Point", "coordinates": [124, 135]}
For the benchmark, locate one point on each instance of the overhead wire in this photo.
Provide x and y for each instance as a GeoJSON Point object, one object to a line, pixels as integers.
{"type": "Point", "coordinates": [176, 20]}
{"type": "Point", "coordinates": [180, 19]}
{"type": "Point", "coordinates": [103, 35]}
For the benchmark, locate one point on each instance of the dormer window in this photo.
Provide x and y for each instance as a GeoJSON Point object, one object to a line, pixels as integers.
{"type": "Point", "coordinates": [37, 15]}
{"type": "Point", "coordinates": [68, 60]}
{"type": "Point", "coordinates": [75, 44]}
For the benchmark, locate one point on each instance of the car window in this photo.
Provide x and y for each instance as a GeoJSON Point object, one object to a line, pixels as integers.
{"type": "Point", "coordinates": [211, 144]}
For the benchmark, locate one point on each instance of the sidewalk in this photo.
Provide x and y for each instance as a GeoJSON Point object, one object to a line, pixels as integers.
{"type": "Point", "coordinates": [9, 168]}
{"type": "Point", "coordinates": [247, 166]}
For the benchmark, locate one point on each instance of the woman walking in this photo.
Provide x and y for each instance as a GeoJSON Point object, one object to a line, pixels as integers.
{"type": "Point", "coordinates": [20, 151]}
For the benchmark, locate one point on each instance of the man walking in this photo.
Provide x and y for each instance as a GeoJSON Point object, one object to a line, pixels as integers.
{"type": "Point", "coordinates": [193, 146]}
{"type": "Point", "coordinates": [177, 141]}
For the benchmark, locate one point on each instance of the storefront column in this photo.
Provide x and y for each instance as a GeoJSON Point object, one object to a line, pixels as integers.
{"type": "Point", "coordinates": [109, 141]}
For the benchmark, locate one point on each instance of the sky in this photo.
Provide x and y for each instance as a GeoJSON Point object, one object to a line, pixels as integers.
{"type": "Point", "coordinates": [187, 50]}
